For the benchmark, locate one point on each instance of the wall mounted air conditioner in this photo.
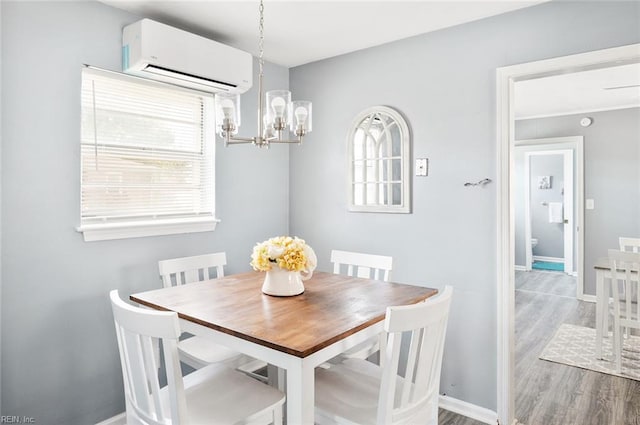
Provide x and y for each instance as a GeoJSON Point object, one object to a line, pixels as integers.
{"type": "Point", "coordinates": [160, 52]}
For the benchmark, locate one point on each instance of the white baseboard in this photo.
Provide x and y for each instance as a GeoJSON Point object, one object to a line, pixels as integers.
{"type": "Point", "coordinates": [469, 410]}
{"type": "Point", "coordinates": [549, 259]}
{"type": "Point", "coordinates": [120, 419]}
{"type": "Point", "coordinates": [520, 268]}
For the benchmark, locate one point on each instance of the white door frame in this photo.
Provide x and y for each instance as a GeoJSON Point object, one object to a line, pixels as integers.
{"type": "Point", "coordinates": [505, 78]}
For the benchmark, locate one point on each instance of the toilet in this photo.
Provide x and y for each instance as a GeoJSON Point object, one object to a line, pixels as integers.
{"type": "Point", "coordinates": [534, 242]}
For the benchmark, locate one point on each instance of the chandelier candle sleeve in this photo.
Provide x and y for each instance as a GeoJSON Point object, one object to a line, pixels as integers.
{"type": "Point", "coordinates": [278, 105]}
{"type": "Point", "coordinates": [301, 124]}
{"type": "Point", "coordinates": [227, 113]}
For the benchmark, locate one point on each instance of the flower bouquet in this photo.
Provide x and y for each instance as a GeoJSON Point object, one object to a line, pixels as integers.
{"type": "Point", "coordinates": [284, 258]}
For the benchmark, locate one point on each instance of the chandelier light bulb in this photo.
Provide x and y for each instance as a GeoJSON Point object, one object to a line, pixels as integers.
{"type": "Point", "coordinates": [301, 110]}
{"type": "Point", "coordinates": [268, 128]}
{"type": "Point", "coordinates": [301, 114]}
{"type": "Point", "coordinates": [228, 108]}
{"type": "Point", "coordinates": [278, 105]}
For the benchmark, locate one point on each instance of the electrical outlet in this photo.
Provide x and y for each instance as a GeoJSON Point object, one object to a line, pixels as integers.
{"type": "Point", "coordinates": [422, 167]}
{"type": "Point", "coordinates": [589, 204]}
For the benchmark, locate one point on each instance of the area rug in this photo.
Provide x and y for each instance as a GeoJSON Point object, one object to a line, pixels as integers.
{"type": "Point", "coordinates": [575, 346]}
{"type": "Point", "coordinates": [548, 265]}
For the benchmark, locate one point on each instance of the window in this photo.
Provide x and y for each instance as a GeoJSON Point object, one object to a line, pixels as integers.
{"type": "Point", "coordinates": [379, 145]}
{"type": "Point", "coordinates": [147, 154]}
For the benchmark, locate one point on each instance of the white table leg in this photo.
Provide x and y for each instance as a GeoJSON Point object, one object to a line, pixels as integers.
{"type": "Point", "coordinates": [600, 311]}
{"type": "Point", "coordinates": [275, 377]}
{"type": "Point", "coordinates": [300, 394]}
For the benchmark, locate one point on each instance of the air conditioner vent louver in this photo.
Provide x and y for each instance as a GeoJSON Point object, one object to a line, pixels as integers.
{"type": "Point", "coordinates": [185, 76]}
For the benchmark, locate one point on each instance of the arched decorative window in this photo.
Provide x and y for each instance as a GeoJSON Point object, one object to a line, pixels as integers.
{"type": "Point", "coordinates": [379, 162]}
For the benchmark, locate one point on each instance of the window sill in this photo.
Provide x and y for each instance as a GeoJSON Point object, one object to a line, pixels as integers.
{"type": "Point", "coordinates": [139, 229]}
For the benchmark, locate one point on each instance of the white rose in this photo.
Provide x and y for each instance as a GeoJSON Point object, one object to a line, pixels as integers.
{"type": "Point", "coordinates": [275, 251]}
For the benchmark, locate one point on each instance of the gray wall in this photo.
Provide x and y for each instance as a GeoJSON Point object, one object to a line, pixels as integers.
{"type": "Point", "coordinates": [612, 175]}
{"type": "Point", "coordinates": [444, 84]}
{"type": "Point", "coordinates": [550, 235]}
{"type": "Point", "coordinates": [59, 354]}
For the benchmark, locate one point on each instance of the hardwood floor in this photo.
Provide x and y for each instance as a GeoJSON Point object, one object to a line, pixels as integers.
{"type": "Point", "coordinates": [449, 418]}
{"type": "Point", "coordinates": [549, 393]}
{"type": "Point", "coordinates": [554, 394]}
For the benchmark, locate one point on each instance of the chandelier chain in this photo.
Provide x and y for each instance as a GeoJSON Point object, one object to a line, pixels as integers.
{"type": "Point", "coordinates": [261, 42]}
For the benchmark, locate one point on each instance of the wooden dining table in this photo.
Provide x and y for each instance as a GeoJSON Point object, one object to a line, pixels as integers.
{"type": "Point", "coordinates": [296, 334]}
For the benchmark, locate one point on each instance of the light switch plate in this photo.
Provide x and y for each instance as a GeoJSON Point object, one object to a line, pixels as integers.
{"type": "Point", "coordinates": [422, 166]}
{"type": "Point", "coordinates": [589, 204]}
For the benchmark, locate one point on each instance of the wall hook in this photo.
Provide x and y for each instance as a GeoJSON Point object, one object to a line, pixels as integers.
{"type": "Point", "coordinates": [479, 183]}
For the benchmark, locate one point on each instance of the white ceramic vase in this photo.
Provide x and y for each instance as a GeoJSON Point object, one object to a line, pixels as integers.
{"type": "Point", "coordinates": [282, 283]}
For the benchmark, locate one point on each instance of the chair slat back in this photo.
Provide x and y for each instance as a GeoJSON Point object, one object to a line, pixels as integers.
{"type": "Point", "coordinates": [178, 271]}
{"type": "Point", "coordinates": [416, 396]}
{"type": "Point", "coordinates": [625, 284]}
{"type": "Point", "coordinates": [367, 266]}
{"type": "Point", "coordinates": [629, 244]}
{"type": "Point", "coordinates": [138, 331]}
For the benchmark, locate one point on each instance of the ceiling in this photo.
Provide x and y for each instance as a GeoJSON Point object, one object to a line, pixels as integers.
{"type": "Point", "coordinates": [303, 31]}
{"type": "Point", "coordinates": [616, 87]}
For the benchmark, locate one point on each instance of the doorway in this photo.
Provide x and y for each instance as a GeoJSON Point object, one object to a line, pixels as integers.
{"type": "Point", "coordinates": [549, 210]}
{"type": "Point", "coordinates": [506, 77]}
{"type": "Point", "coordinates": [531, 206]}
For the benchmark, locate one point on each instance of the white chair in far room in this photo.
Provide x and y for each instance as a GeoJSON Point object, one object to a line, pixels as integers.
{"type": "Point", "coordinates": [214, 394]}
{"type": "Point", "coordinates": [625, 269]}
{"type": "Point", "coordinates": [629, 245]}
{"type": "Point", "coordinates": [360, 392]}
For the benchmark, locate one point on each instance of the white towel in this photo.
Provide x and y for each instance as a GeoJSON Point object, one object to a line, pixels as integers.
{"type": "Point", "coordinates": [555, 212]}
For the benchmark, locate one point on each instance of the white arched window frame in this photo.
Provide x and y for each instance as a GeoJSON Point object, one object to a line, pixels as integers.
{"type": "Point", "coordinates": [379, 144]}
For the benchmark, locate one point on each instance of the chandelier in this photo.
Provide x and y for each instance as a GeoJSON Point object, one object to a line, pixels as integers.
{"type": "Point", "coordinates": [276, 112]}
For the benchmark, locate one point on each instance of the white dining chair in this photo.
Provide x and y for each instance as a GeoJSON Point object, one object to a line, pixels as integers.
{"type": "Point", "coordinates": [360, 392]}
{"type": "Point", "coordinates": [178, 271]}
{"type": "Point", "coordinates": [196, 351]}
{"type": "Point", "coordinates": [629, 244]}
{"type": "Point", "coordinates": [214, 394]}
{"type": "Point", "coordinates": [367, 266]}
{"type": "Point", "coordinates": [625, 267]}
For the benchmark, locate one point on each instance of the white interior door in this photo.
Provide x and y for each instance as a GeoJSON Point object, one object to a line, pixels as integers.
{"type": "Point", "coordinates": [568, 215]}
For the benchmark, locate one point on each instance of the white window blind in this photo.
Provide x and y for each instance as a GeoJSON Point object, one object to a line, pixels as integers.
{"type": "Point", "coordinates": [147, 152]}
